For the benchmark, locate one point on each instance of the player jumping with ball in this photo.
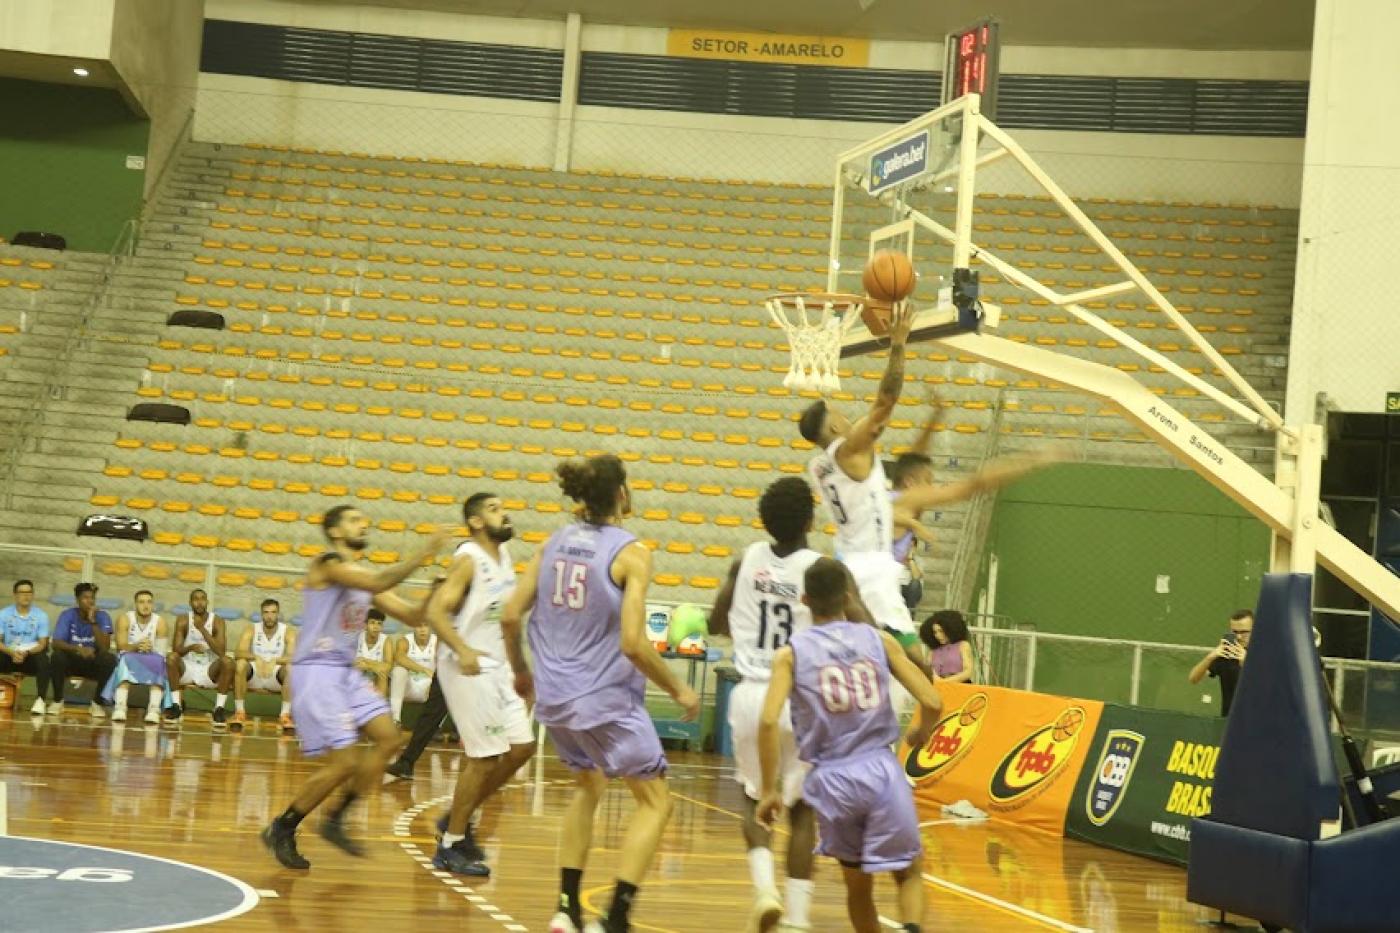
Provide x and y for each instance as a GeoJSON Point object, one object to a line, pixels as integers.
{"type": "Point", "coordinates": [851, 480]}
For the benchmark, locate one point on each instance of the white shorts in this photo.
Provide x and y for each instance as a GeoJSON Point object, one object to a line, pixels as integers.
{"type": "Point", "coordinates": [417, 689]}
{"type": "Point", "coordinates": [488, 713]}
{"type": "Point", "coordinates": [268, 684]}
{"type": "Point", "coordinates": [196, 673]}
{"type": "Point", "coordinates": [745, 711]}
{"type": "Point", "coordinates": [877, 577]}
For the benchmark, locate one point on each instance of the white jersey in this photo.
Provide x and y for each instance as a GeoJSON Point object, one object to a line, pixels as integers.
{"type": "Point", "coordinates": [374, 652]}
{"type": "Point", "coordinates": [860, 509]}
{"type": "Point", "coordinates": [137, 633]}
{"type": "Point", "coordinates": [271, 648]}
{"type": "Point", "coordinates": [423, 656]}
{"type": "Point", "coordinates": [767, 609]}
{"type": "Point", "coordinates": [194, 637]}
{"type": "Point", "coordinates": [479, 619]}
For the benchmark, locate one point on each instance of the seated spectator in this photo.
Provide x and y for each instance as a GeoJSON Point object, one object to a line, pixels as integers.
{"type": "Point", "coordinates": [82, 646]}
{"type": "Point", "coordinates": [375, 653]}
{"type": "Point", "coordinates": [197, 658]}
{"type": "Point", "coordinates": [142, 639]}
{"type": "Point", "coordinates": [415, 661]}
{"type": "Point", "coordinates": [24, 643]}
{"type": "Point", "coordinates": [264, 657]}
{"type": "Point", "coordinates": [950, 652]}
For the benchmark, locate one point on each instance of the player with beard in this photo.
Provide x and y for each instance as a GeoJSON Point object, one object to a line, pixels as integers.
{"type": "Point", "coordinates": [490, 716]}
{"type": "Point", "coordinates": [332, 703]}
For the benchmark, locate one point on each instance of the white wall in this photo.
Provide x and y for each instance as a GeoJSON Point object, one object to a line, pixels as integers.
{"type": "Point", "coordinates": [155, 48]}
{"type": "Point", "coordinates": [71, 28]}
{"type": "Point", "coordinates": [1346, 326]}
{"type": "Point", "coordinates": [709, 145]}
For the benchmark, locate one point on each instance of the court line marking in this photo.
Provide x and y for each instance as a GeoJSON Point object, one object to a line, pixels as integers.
{"type": "Point", "coordinates": [250, 896]}
{"type": "Point", "coordinates": [402, 830]}
{"type": "Point", "coordinates": [1024, 913]}
{"type": "Point", "coordinates": [1005, 905]}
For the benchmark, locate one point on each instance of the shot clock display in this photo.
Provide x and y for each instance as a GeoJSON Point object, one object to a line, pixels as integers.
{"type": "Point", "coordinates": [970, 64]}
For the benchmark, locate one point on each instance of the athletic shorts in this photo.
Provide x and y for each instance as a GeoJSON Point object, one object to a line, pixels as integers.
{"type": "Point", "coordinates": [268, 684]}
{"type": "Point", "coordinates": [489, 714]}
{"type": "Point", "coordinates": [877, 577]}
{"type": "Point", "coordinates": [416, 690]}
{"type": "Point", "coordinates": [331, 703]}
{"type": "Point", "coordinates": [745, 711]}
{"type": "Point", "coordinates": [625, 746]}
{"type": "Point", "coordinates": [197, 665]}
{"type": "Point", "coordinates": [865, 812]}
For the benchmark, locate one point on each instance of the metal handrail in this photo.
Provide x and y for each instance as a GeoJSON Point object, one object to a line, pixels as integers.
{"type": "Point", "coordinates": [23, 428]}
{"type": "Point", "coordinates": [968, 556]}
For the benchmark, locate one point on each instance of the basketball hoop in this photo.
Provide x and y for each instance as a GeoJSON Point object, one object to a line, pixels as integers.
{"type": "Point", "coordinates": [815, 325]}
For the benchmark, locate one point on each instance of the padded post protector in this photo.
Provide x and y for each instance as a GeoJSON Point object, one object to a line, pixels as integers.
{"type": "Point", "coordinates": [1353, 881]}
{"type": "Point", "coordinates": [1244, 871]}
{"type": "Point", "coordinates": [1276, 773]}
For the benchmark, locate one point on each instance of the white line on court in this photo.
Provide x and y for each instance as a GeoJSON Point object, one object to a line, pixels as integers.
{"type": "Point", "coordinates": [1005, 905]}
{"type": "Point", "coordinates": [405, 820]}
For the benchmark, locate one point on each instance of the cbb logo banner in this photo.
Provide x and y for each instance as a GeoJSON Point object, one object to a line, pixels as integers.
{"type": "Point", "coordinates": [1112, 774]}
{"type": "Point", "coordinates": [1010, 752]}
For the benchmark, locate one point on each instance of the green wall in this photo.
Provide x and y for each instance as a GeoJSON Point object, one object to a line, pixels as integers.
{"type": "Point", "coordinates": [1079, 550]}
{"type": "Point", "coordinates": [63, 167]}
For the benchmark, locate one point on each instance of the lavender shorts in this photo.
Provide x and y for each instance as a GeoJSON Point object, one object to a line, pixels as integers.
{"type": "Point", "coordinates": [625, 746]}
{"type": "Point", "coordinates": [330, 705]}
{"type": "Point", "coordinates": [865, 812]}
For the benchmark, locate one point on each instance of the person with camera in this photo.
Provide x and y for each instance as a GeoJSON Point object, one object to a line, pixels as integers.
{"type": "Point", "coordinates": [1225, 660]}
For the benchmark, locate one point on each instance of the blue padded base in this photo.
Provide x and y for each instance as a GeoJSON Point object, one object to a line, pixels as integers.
{"type": "Point", "coordinates": [1250, 873]}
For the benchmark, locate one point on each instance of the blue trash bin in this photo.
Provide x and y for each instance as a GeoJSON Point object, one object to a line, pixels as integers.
{"type": "Point", "coordinates": [725, 679]}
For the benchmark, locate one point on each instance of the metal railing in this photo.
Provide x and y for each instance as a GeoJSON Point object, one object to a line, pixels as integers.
{"type": "Point", "coordinates": [53, 388]}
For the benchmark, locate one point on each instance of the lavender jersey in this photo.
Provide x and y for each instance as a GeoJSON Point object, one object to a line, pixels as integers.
{"type": "Point", "coordinates": [841, 693]}
{"type": "Point", "coordinates": [905, 542]}
{"type": "Point", "coordinates": [582, 678]}
{"type": "Point", "coordinates": [333, 619]}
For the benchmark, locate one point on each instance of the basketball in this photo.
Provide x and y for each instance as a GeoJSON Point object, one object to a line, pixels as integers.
{"type": "Point", "coordinates": [1068, 723]}
{"type": "Point", "coordinates": [972, 710]}
{"type": "Point", "coordinates": [888, 276]}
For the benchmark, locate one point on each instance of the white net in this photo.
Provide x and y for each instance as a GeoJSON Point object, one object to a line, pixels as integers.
{"type": "Point", "coordinates": [815, 325]}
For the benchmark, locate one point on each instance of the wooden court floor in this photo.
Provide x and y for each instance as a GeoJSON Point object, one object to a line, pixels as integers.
{"type": "Point", "coordinates": [199, 798]}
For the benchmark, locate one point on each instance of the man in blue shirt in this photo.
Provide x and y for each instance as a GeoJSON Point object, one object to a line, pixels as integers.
{"type": "Point", "coordinates": [24, 642]}
{"type": "Point", "coordinates": [82, 645]}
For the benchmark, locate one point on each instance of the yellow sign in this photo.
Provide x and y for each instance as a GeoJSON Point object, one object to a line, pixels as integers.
{"type": "Point", "coordinates": [1392, 403]}
{"type": "Point", "coordinates": [764, 47]}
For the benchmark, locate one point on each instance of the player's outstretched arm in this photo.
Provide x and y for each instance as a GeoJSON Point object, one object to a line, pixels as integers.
{"type": "Point", "coordinates": [860, 441]}
{"type": "Point", "coordinates": [719, 613]}
{"type": "Point", "coordinates": [991, 477]}
{"type": "Point", "coordinates": [633, 565]}
{"type": "Point", "coordinates": [513, 625]}
{"type": "Point", "coordinates": [907, 673]}
{"type": "Point", "coordinates": [770, 753]}
{"type": "Point", "coordinates": [438, 612]}
{"type": "Point", "coordinates": [358, 577]}
{"type": "Point", "coordinates": [935, 420]}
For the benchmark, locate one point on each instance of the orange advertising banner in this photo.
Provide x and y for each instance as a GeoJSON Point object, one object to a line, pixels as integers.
{"type": "Point", "coordinates": [1014, 754]}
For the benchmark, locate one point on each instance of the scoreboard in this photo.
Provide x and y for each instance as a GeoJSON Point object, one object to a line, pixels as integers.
{"type": "Point", "coordinates": [970, 66]}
